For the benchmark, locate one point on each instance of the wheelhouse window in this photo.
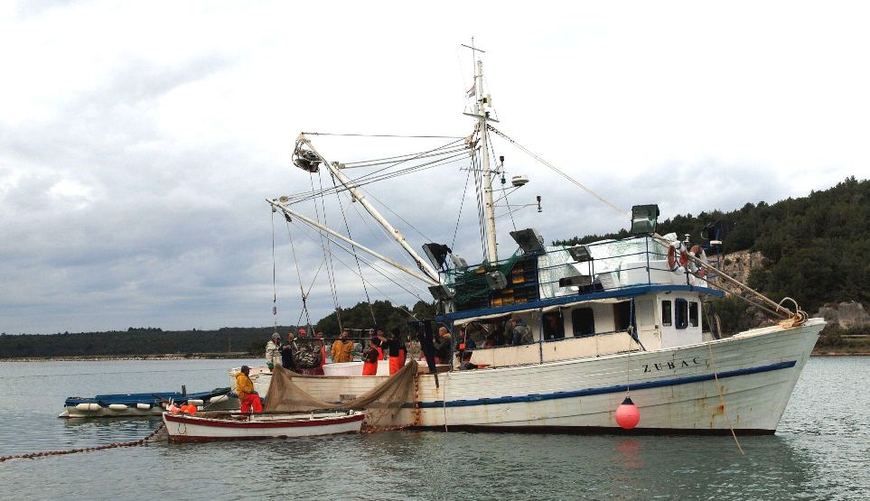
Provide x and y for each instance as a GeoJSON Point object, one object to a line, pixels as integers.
{"type": "Point", "coordinates": [554, 328]}
{"type": "Point", "coordinates": [622, 316]}
{"type": "Point", "coordinates": [584, 322]}
{"type": "Point", "coordinates": [681, 314]}
{"type": "Point", "coordinates": [693, 314]}
{"type": "Point", "coordinates": [667, 319]}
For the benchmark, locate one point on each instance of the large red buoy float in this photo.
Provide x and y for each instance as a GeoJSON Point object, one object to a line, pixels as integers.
{"type": "Point", "coordinates": [627, 414]}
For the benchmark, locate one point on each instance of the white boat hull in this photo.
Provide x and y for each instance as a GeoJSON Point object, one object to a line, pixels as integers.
{"type": "Point", "coordinates": [183, 428]}
{"type": "Point", "coordinates": [743, 382]}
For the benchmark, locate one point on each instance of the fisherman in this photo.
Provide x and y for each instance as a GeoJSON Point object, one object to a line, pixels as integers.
{"type": "Point", "coordinates": [415, 351]}
{"type": "Point", "coordinates": [396, 351]}
{"type": "Point", "coordinates": [443, 346]}
{"type": "Point", "coordinates": [379, 333]}
{"type": "Point", "coordinates": [342, 348]}
{"type": "Point", "coordinates": [273, 351]}
{"type": "Point", "coordinates": [287, 353]}
{"type": "Point", "coordinates": [320, 339]}
{"type": "Point", "coordinates": [522, 334]}
{"type": "Point", "coordinates": [371, 357]}
{"type": "Point", "coordinates": [248, 397]}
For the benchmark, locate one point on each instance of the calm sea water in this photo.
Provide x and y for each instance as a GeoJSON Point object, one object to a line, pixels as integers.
{"type": "Point", "coordinates": [821, 451]}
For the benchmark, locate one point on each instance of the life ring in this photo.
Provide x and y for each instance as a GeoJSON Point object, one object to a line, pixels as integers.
{"type": "Point", "coordinates": [699, 253]}
{"type": "Point", "coordinates": [672, 258]}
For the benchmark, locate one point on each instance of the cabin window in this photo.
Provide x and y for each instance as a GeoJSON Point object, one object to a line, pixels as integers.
{"type": "Point", "coordinates": [584, 322]}
{"type": "Point", "coordinates": [681, 314]}
{"type": "Point", "coordinates": [693, 314]}
{"type": "Point", "coordinates": [554, 328]}
{"type": "Point", "coordinates": [621, 316]}
{"type": "Point", "coordinates": [666, 313]}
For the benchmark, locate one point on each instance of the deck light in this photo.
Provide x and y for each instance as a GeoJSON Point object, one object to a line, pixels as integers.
{"type": "Point", "coordinates": [580, 253]}
{"type": "Point", "coordinates": [529, 240]}
{"type": "Point", "coordinates": [644, 218]}
{"type": "Point", "coordinates": [441, 292]}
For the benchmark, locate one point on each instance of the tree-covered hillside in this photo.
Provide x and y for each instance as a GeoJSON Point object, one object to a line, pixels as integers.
{"type": "Point", "coordinates": [228, 340]}
{"type": "Point", "coordinates": [817, 248]}
{"type": "Point", "coordinates": [136, 342]}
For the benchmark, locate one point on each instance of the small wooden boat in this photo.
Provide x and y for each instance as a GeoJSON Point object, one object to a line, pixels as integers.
{"type": "Point", "coordinates": [237, 426]}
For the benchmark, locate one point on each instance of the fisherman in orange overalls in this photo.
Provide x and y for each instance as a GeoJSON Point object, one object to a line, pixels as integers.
{"type": "Point", "coordinates": [374, 353]}
{"type": "Point", "coordinates": [396, 351]}
{"type": "Point", "coordinates": [248, 398]}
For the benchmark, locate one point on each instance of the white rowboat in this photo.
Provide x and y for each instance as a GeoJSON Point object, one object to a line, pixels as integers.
{"type": "Point", "coordinates": [235, 426]}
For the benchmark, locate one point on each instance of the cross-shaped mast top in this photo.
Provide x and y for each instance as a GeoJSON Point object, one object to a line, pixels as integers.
{"type": "Point", "coordinates": [472, 47]}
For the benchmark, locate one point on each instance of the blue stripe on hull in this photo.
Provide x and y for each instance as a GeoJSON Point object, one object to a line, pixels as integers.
{"type": "Point", "coordinates": [539, 397]}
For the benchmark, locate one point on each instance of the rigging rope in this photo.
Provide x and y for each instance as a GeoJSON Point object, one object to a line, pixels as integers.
{"type": "Point", "coordinates": [330, 270]}
{"type": "Point", "coordinates": [387, 207]}
{"type": "Point", "coordinates": [461, 205]}
{"type": "Point", "coordinates": [381, 271]}
{"type": "Point", "coordinates": [408, 156]}
{"type": "Point", "coordinates": [722, 398]}
{"type": "Point", "coordinates": [274, 277]}
{"type": "Point", "coordinates": [394, 303]}
{"type": "Point", "coordinates": [478, 185]}
{"type": "Point", "coordinates": [403, 136]}
{"type": "Point", "coordinates": [366, 180]}
{"type": "Point", "coordinates": [380, 174]}
{"type": "Point", "coordinates": [356, 257]}
{"type": "Point", "coordinates": [558, 171]}
{"type": "Point", "coordinates": [298, 275]}
{"type": "Point", "coordinates": [504, 190]}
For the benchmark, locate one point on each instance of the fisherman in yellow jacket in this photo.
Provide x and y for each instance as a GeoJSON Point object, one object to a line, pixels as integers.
{"type": "Point", "coordinates": [248, 398]}
{"type": "Point", "coordinates": [342, 349]}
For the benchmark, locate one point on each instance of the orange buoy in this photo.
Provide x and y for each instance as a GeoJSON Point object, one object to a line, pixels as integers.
{"type": "Point", "coordinates": [627, 414]}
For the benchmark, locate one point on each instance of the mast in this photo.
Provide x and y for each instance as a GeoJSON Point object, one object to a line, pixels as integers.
{"type": "Point", "coordinates": [481, 111]}
{"type": "Point", "coordinates": [488, 207]}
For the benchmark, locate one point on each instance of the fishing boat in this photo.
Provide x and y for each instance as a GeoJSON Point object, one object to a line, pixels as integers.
{"type": "Point", "coordinates": [144, 404]}
{"type": "Point", "coordinates": [235, 426]}
{"type": "Point", "coordinates": [609, 325]}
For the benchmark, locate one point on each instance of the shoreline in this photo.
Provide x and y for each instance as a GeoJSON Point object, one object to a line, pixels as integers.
{"type": "Point", "coordinates": [106, 358]}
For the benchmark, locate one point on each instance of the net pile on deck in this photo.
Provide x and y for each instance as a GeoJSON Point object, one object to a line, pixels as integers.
{"type": "Point", "coordinates": [383, 404]}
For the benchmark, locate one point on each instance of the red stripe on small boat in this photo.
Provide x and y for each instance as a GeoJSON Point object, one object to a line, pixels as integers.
{"type": "Point", "coordinates": [274, 424]}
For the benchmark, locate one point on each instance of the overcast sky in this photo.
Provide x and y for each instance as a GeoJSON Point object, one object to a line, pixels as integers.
{"type": "Point", "coordinates": [139, 139]}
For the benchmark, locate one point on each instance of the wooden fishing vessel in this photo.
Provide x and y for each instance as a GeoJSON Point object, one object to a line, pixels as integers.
{"type": "Point", "coordinates": [606, 319]}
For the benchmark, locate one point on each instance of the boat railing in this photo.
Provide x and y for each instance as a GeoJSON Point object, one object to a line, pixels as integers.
{"type": "Point", "coordinates": [558, 271]}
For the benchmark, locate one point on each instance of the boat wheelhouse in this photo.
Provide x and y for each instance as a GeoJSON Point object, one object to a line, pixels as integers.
{"type": "Point", "coordinates": [588, 300]}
